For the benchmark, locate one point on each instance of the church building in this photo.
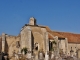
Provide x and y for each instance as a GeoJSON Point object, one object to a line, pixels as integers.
{"type": "Point", "coordinates": [40, 38]}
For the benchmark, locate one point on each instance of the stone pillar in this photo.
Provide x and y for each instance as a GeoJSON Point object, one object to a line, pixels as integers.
{"type": "Point", "coordinates": [46, 42]}
{"type": "Point", "coordinates": [66, 46]}
{"type": "Point", "coordinates": [3, 42]}
{"type": "Point", "coordinates": [29, 39]}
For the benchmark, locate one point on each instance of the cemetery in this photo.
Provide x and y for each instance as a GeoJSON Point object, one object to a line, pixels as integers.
{"type": "Point", "coordinates": [36, 42]}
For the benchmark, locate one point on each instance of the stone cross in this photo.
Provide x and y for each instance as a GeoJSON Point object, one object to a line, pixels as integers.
{"type": "Point", "coordinates": [41, 55]}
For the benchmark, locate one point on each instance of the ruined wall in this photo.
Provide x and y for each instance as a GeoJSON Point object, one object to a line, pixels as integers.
{"type": "Point", "coordinates": [74, 46]}
{"type": "Point", "coordinates": [11, 44]}
{"type": "Point", "coordinates": [0, 44]}
{"type": "Point", "coordinates": [37, 34]}
{"type": "Point", "coordinates": [38, 37]}
{"type": "Point", "coordinates": [24, 37]}
{"type": "Point", "coordinates": [43, 34]}
{"type": "Point", "coordinates": [63, 44]}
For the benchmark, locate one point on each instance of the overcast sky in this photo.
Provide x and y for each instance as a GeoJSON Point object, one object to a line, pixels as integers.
{"type": "Point", "coordinates": [59, 15]}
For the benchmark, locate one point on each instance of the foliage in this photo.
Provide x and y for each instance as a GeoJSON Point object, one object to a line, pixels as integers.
{"type": "Point", "coordinates": [54, 42]}
{"type": "Point", "coordinates": [61, 51]}
{"type": "Point", "coordinates": [52, 49]}
{"type": "Point", "coordinates": [25, 50]}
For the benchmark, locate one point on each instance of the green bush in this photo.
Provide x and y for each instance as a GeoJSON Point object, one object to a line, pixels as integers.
{"type": "Point", "coordinates": [25, 50]}
{"type": "Point", "coordinates": [54, 42]}
{"type": "Point", "coordinates": [52, 49]}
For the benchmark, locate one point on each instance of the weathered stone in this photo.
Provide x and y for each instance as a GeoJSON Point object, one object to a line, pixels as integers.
{"type": "Point", "coordinates": [3, 42]}
{"type": "Point", "coordinates": [35, 37]}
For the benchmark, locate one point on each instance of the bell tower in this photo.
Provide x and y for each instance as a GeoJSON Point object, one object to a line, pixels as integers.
{"type": "Point", "coordinates": [32, 21]}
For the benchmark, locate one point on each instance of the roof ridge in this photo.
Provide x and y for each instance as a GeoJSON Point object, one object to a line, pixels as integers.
{"type": "Point", "coordinates": [65, 32]}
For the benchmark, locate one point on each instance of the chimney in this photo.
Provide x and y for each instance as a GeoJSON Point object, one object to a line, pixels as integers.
{"type": "Point", "coordinates": [32, 21]}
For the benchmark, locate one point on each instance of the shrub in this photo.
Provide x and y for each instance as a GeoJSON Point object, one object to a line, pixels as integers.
{"type": "Point", "coordinates": [25, 50]}
{"type": "Point", "coordinates": [54, 42]}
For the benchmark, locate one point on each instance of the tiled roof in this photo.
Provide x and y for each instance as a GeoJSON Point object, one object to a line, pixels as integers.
{"type": "Point", "coordinates": [56, 34]}
{"type": "Point", "coordinates": [72, 38]}
{"type": "Point", "coordinates": [50, 37]}
{"type": "Point", "coordinates": [53, 33]}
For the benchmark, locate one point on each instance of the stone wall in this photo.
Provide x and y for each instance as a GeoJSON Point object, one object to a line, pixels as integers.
{"type": "Point", "coordinates": [0, 44]}
{"type": "Point", "coordinates": [37, 36]}
{"type": "Point", "coordinates": [74, 46]}
{"type": "Point", "coordinates": [11, 44]}
{"type": "Point", "coordinates": [24, 37]}
{"type": "Point", "coordinates": [3, 42]}
{"type": "Point", "coordinates": [63, 44]}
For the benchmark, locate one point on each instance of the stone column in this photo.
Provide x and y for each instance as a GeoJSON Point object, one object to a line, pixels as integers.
{"type": "Point", "coordinates": [3, 42]}
{"type": "Point", "coordinates": [46, 42]}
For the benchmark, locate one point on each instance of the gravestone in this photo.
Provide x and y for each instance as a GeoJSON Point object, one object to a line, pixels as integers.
{"type": "Point", "coordinates": [69, 58]}
{"type": "Point", "coordinates": [36, 55]}
{"type": "Point", "coordinates": [56, 57]}
{"type": "Point", "coordinates": [52, 55]}
{"type": "Point", "coordinates": [16, 57]}
{"type": "Point", "coordinates": [46, 56]}
{"type": "Point", "coordinates": [33, 57]}
{"type": "Point", "coordinates": [23, 53]}
{"type": "Point", "coordinates": [60, 58]}
{"type": "Point", "coordinates": [19, 51]}
{"type": "Point", "coordinates": [29, 55]}
{"type": "Point", "coordinates": [41, 56]}
{"type": "Point", "coordinates": [5, 57]}
{"type": "Point", "coordinates": [75, 58]}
